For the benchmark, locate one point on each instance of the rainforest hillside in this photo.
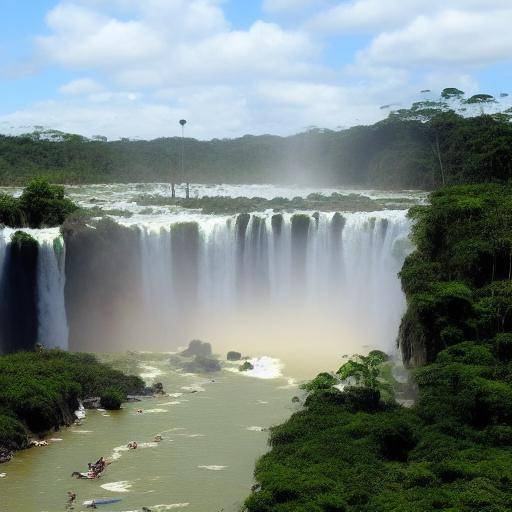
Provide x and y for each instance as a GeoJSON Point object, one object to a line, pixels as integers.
{"type": "Point", "coordinates": [410, 149]}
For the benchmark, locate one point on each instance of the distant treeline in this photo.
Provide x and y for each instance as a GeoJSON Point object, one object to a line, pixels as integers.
{"type": "Point", "coordinates": [407, 150]}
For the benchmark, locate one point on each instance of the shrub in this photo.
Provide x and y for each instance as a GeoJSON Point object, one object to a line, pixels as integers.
{"type": "Point", "coordinates": [111, 399]}
{"type": "Point", "coordinates": [40, 205]}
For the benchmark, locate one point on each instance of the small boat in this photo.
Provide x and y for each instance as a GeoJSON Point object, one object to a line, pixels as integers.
{"type": "Point", "coordinates": [101, 501]}
{"type": "Point", "coordinates": [84, 476]}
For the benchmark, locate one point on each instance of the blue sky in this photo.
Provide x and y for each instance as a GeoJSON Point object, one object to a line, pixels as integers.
{"type": "Point", "coordinates": [130, 68]}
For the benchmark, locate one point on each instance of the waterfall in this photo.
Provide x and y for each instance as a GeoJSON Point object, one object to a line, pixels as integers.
{"type": "Point", "coordinates": [262, 278]}
{"type": "Point", "coordinates": [52, 324]}
{"type": "Point", "coordinates": [343, 267]}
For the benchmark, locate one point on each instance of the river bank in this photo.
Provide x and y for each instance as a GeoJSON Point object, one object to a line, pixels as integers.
{"type": "Point", "coordinates": [213, 427]}
{"type": "Point", "coordinates": [41, 390]}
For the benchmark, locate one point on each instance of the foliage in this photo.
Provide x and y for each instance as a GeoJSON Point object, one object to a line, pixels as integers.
{"type": "Point", "coordinates": [39, 390]}
{"type": "Point", "coordinates": [246, 366]}
{"type": "Point", "coordinates": [111, 399]}
{"type": "Point", "coordinates": [322, 382]}
{"type": "Point", "coordinates": [233, 205]}
{"type": "Point", "coordinates": [431, 143]}
{"type": "Point", "coordinates": [40, 205]}
{"type": "Point", "coordinates": [364, 369]}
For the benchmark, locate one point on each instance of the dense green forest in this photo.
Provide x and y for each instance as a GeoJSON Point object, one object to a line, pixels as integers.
{"type": "Point", "coordinates": [357, 450]}
{"type": "Point", "coordinates": [413, 148]}
{"type": "Point", "coordinates": [40, 390]}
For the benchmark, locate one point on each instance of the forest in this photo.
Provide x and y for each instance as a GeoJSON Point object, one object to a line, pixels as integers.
{"type": "Point", "coordinates": [425, 146]}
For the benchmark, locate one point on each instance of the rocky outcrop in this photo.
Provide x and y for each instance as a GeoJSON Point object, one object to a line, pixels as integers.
{"type": "Point", "coordinates": [5, 455]}
{"type": "Point", "coordinates": [201, 364]}
{"type": "Point", "coordinates": [197, 348]}
{"type": "Point", "coordinates": [232, 355]}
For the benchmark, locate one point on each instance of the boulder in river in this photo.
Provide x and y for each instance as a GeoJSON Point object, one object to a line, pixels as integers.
{"type": "Point", "coordinates": [233, 356]}
{"type": "Point", "coordinates": [158, 388]}
{"type": "Point", "coordinates": [202, 364]}
{"type": "Point", "coordinates": [197, 348]}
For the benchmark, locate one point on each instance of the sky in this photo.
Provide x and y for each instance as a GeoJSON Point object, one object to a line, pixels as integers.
{"type": "Point", "coordinates": [132, 68]}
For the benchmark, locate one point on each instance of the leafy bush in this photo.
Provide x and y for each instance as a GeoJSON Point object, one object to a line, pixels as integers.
{"type": "Point", "coordinates": [111, 399]}
{"type": "Point", "coordinates": [40, 205]}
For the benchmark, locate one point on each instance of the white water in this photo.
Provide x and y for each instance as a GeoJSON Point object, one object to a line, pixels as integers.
{"type": "Point", "coordinates": [52, 321]}
{"type": "Point", "coordinates": [53, 326]}
{"type": "Point", "coordinates": [346, 278]}
{"type": "Point", "coordinates": [241, 290]}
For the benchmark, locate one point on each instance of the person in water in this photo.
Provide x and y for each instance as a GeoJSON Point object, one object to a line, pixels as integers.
{"type": "Point", "coordinates": [71, 500]}
{"type": "Point", "coordinates": [132, 445]}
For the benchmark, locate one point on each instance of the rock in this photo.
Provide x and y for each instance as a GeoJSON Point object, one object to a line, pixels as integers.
{"type": "Point", "coordinates": [202, 364]}
{"type": "Point", "coordinates": [197, 348]}
{"type": "Point", "coordinates": [91, 403]}
{"type": "Point", "coordinates": [233, 356]}
{"type": "Point", "coordinates": [158, 388]}
{"type": "Point", "coordinates": [5, 455]}
{"type": "Point", "coordinates": [246, 366]}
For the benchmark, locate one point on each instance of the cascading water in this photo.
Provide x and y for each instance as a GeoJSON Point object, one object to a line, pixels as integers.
{"type": "Point", "coordinates": [52, 325]}
{"type": "Point", "coordinates": [239, 281]}
{"type": "Point", "coordinates": [32, 308]}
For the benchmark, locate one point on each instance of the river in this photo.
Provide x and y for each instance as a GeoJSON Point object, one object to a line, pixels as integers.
{"type": "Point", "coordinates": [213, 429]}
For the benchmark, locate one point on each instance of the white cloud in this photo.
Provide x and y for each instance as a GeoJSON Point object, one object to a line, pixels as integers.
{"type": "Point", "coordinates": [269, 106]}
{"type": "Point", "coordinates": [168, 59]}
{"type": "Point", "coordinates": [451, 37]}
{"type": "Point", "coordinates": [81, 86]}
{"type": "Point", "coordinates": [370, 16]}
{"type": "Point", "coordinates": [173, 42]}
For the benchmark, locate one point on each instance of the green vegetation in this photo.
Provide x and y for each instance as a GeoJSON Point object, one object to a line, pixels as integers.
{"type": "Point", "coordinates": [232, 205]}
{"type": "Point", "coordinates": [452, 451]}
{"type": "Point", "coordinates": [40, 205]}
{"type": "Point", "coordinates": [40, 390]}
{"type": "Point", "coordinates": [20, 240]}
{"type": "Point", "coordinates": [246, 366]}
{"type": "Point", "coordinates": [430, 144]}
{"type": "Point", "coordinates": [111, 399]}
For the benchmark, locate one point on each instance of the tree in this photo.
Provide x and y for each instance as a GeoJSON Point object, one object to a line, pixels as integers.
{"type": "Point", "coordinates": [364, 369]}
{"type": "Point", "coordinates": [482, 100]}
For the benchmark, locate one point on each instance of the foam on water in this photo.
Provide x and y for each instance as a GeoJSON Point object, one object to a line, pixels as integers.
{"type": "Point", "coordinates": [193, 387]}
{"type": "Point", "coordinates": [265, 367]}
{"type": "Point", "coordinates": [213, 468]}
{"type": "Point", "coordinates": [169, 507]}
{"type": "Point", "coordinates": [150, 372]}
{"type": "Point", "coordinates": [122, 486]}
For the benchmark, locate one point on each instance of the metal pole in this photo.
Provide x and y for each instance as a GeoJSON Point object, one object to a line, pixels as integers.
{"type": "Point", "coordinates": [183, 122]}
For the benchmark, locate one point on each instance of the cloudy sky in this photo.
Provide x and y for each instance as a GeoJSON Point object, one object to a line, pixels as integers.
{"type": "Point", "coordinates": [133, 68]}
